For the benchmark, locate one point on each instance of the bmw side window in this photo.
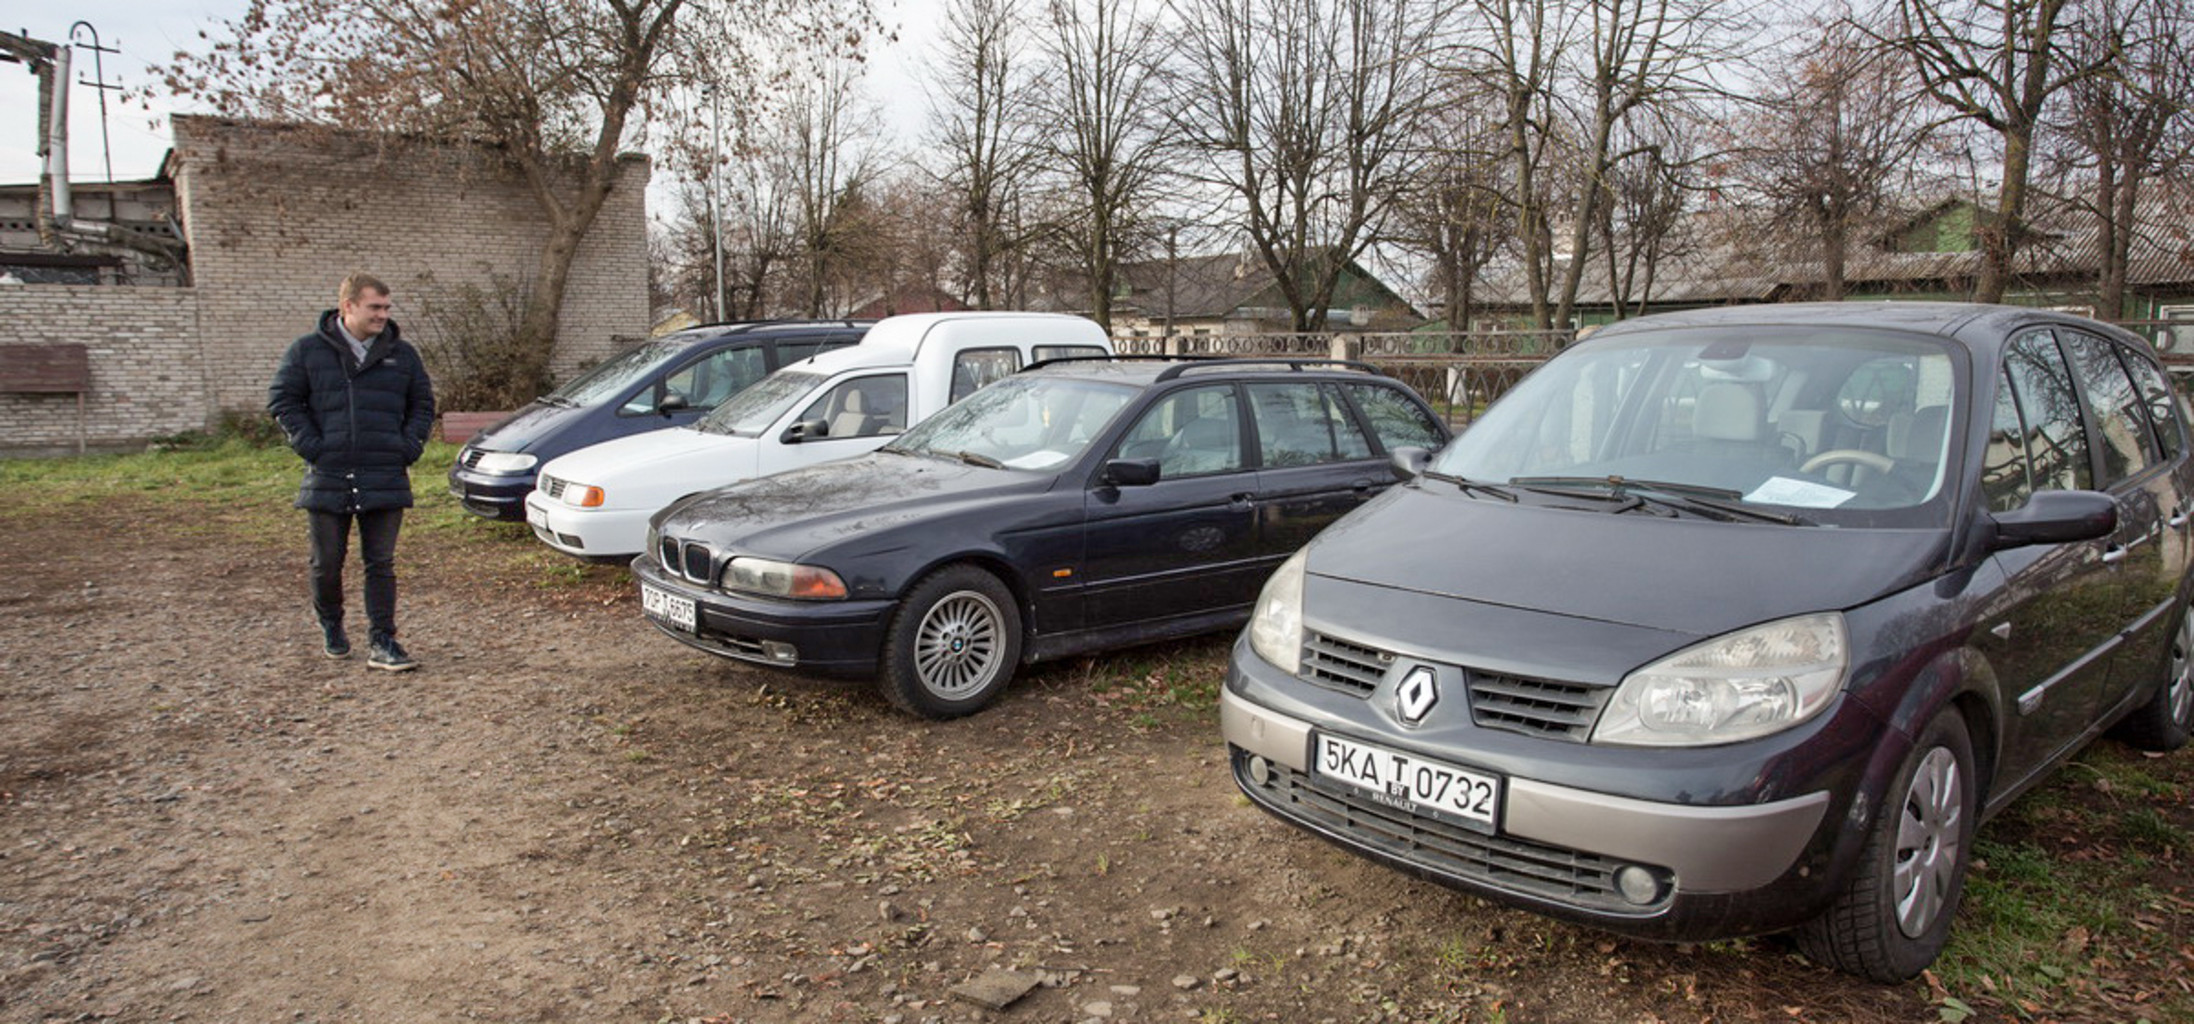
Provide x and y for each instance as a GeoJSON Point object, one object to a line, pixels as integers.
{"type": "Point", "coordinates": [1301, 424]}
{"type": "Point", "coordinates": [2056, 444]}
{"type": "Point", "coordinates": [2005, 478]}
{"type": "Point", "coordinates": [2128, 445]}
{"type": "Point", "coordinates": [1397, 421]}
{"type": "Point", "coordinates": [978, 367]}
{"type": "Point", "coordinates": [1190, 432]}
{"type": "Point", "coordinates": [2163, 408]}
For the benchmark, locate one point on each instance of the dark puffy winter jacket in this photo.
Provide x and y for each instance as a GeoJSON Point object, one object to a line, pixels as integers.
{"type": "Point", "coordinates": [358, 427]}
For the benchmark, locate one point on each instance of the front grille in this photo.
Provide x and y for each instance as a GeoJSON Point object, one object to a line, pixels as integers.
{"type": "Point", "coordinates": [552, 486]}
{"type": "Point", "coordinates": [689, 559]}
{"type": "Point", "coordinates": [1574, 877]}
{"type": "Point", "coordinates": [1340, 665]}
{"type": "Point", "coordinates": [1535, 707]}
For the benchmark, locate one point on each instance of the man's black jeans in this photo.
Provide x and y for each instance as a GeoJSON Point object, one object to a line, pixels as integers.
{"type": "Point", "coordinates": [376, 545]}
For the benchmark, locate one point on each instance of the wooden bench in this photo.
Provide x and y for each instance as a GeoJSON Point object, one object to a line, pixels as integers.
{"type": "Point", "coordinates": [57, 369]}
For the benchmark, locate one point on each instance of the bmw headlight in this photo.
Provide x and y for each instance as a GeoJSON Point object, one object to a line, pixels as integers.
{"type": "Point", "coordinates": [505, 463]}
{"type": "Point", "coordinates": [1750, 683]}
{"type": "Point", "coordinates": [1276, 628]}
{"type": "Point", "coordinates": [783, 579]}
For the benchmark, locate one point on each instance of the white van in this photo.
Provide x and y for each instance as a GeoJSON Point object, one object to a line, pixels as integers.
{"type": "Point", "coordinates": [595, 502]}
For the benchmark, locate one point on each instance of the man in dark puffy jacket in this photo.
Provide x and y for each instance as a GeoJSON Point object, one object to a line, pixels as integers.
{"type": "Point", "coordinates": [354, 399]}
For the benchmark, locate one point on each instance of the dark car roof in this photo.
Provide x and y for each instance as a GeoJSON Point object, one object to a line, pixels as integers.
{"type": "Point", "coordinates": [1143, 371]}
{"type": "Point", "coordinates": [1970, 323]}
{"type": "Point", "coordinates": [709, 332]}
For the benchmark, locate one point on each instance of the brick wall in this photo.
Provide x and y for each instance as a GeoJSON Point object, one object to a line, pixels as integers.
{"type": "Point", "coordinates": [143, 347]}
{"type": "Point", "coordinates": [277, 215]}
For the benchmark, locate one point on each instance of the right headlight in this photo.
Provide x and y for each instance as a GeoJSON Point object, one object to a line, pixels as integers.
{"type": "Point", "coordinates": [1276, 627]}
{"type": "Point", "coordinates": [1744, 685]}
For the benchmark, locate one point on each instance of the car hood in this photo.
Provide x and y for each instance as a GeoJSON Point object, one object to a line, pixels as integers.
{"type": "Point", "coordinates": [1692, 576]}
{"type": "Point", "coordinates": [520, 430]}
{"type": "Point", "coordinates": [866, 501]}
{"type": "Point", "coordinates": [679, 457]}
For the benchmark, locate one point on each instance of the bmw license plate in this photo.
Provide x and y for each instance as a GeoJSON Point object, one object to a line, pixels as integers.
{"type": "Point", "coordinates": [1407, 782]}
{"type": "Point", "coordinates": [667, 607]}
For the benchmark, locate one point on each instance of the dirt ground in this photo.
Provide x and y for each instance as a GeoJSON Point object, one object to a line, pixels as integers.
{"type": "Point", "coordinates": [565, 816]}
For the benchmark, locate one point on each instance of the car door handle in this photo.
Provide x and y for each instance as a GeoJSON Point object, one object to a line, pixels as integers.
{"type": "Point", "coordinates": [1242, 501]}
{"type": "Point", "coordinates": [2114, 554]}
{"type": "Point", "coordinates": [1360, 486]}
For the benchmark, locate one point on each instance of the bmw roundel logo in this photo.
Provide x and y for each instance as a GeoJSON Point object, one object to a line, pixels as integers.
{"type": "Point", "coordinates": [1416, 695]}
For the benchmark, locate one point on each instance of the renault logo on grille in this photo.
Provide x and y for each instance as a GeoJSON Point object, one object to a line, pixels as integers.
{"type": "Point", "coordinates": [1416, 696]}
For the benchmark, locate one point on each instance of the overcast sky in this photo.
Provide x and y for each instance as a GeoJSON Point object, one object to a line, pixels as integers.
{"type": "Point", "coordinates": [150, 31]}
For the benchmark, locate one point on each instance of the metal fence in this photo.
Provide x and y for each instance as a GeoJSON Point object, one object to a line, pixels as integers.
{"type": "Point", "coordinates": [1460, 373]}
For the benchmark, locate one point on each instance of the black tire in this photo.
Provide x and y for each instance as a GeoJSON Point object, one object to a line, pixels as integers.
{"type": "Point", "coordinates": [953, 644]}
{"type": "Point", "coordinates": [1894, 914]}
{"type": "Point", "coordinates": [2165, 721]}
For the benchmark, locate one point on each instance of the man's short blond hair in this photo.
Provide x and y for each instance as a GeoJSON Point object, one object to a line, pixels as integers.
{"type": "Point", "coordinates": [359, 283]}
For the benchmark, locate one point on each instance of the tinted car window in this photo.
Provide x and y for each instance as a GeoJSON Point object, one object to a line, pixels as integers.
{"type": "Point", "coordinates": [1190, 432]}
{"type": "Point", "coordinates": [1302, 424]}
{"type": "Point", "coordinates": [707, 381]}
{"type": "Point", "coordinates": [1394, 418]}
{"type": "Point", "coordinates": [863, 407]}
{"type": "Point", "coordinates": [2004, 474]}
{"type": "Point", "coordinates": [2128, 445]}
{"type": "Point", "coordinates": [2056, 445]}
{"type": "Point", "coordinates": [976, 368]}
{"type": "Point", "coordinates": [2163, 412]}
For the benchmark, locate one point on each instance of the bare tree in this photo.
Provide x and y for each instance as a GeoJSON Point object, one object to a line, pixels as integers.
{"type": "Point", "coordinates": [1641, 223]}
{"type": "Point", "coordinates": [980, 125]}
{"type": "Point", "coordinates": [1995, 63]}
{"type": "Point", "coordinates": [1514, 50]}
{"type": "Point", "coordinates": [557, 88]}
{"type": "Point", "coordinates": [1454, 213]}
{"type": "Point", "coordinates": [834, 155]}
{"type": "Point", "coordinates": [1830, 140]}
{"type": "Point", "coordinates": [1648, 58]}
{"type": "Point", "coordinates": [2122, 130]}
{"type": "Point", "coordinates": [1305, 112]}
{"type": "Point", "coordinates": [1103, 139]}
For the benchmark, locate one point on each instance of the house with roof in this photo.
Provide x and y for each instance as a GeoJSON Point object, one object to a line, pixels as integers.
{"type": "Point", "coordinates": [1729, 257]}
{"type": "Point", "coordinates": [1232, 294]}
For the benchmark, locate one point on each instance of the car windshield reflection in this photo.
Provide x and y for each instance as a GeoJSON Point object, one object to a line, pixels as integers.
{"type": "Point", "coordinates": [750, 412]}
{"type": "Point", "coordinates": [1024, 423]}
{"type": "Point", "coordinates": [1852, 428]}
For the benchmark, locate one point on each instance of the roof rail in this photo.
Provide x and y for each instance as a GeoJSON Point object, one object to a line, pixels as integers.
{"type": "Point", "coordinates": [1294, 364]}
{"type": "Point", "coordinates": [1115, 357]}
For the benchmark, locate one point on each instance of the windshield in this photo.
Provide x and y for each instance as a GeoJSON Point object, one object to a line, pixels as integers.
{"type": "Point", "coordinates": [1832, 424]}
{"type": "Point", "coordinates": [1020, 423]}
{"type": "Point", "coordinates": [750, 412]}
{"type": "Point", "coordinates": [609, 379]}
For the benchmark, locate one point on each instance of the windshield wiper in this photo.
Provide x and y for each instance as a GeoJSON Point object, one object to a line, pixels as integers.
{"type": "Point", "coordinates": [1473, 486]}
{"type": "Point", "coordinates": [979, 459]}
{"type": "Point", "coordinates": [1713, 502]}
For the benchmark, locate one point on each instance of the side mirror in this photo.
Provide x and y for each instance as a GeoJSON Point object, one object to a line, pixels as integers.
{"type": "Point", "coordinates": [2056, 517]}
{"type": "Point", "coordinates": [1131, 472]}
{"type": "Point", "coordinates": [1408, 462]}
{"type": "Point", "coordinates": [672, 403]}
{"type": "Point", "coordinates": [806, 430]}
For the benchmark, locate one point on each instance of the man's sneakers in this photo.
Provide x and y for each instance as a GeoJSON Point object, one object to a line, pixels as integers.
{"type": "Point", "coordinates": [334, 643]}
{"type": "Point", "coordinates": [387, 654]}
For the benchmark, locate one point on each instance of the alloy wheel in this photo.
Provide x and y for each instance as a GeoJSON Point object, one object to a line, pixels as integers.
{"type": "Point", "coordinates": [956, 650]}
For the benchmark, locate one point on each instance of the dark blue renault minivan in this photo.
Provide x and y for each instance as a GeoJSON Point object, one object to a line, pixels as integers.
{"type": "Point", "coordinates": [669, 381]}
{"type": "Point", "coordinates": [1740, 620]}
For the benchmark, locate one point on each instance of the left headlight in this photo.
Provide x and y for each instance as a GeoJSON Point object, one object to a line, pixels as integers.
{"type": "Point", "coordinates": [1744, 685]}
{"type": "Point", "coordinates": [1276, 627]}
{"type": "Point", "coordinates": [783, 579]}
{"type": "Point", "coordinates": [505, 463]}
